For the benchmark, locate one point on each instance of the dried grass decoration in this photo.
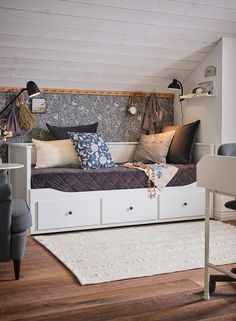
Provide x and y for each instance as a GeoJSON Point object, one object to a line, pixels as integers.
{"type": "Point", "coordinates": [26, 119]}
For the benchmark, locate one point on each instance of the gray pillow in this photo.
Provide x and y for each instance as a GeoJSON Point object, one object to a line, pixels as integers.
{"type": "Point", "coordinates": [153, 148]}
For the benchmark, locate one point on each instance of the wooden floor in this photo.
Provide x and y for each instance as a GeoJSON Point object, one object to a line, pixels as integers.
{"type": "Point", "coordinates": [48, 291]}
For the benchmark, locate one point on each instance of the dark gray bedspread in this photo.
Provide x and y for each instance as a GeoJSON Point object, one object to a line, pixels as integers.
{"type": "Point", "coordinates": [78, 180]}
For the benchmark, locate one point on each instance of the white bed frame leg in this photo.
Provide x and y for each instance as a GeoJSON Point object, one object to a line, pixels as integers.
{"type": "Point", "coordinates": [207, 232]}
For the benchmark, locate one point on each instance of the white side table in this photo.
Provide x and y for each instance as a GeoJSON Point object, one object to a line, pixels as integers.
{"type": "Point", "coordinates": [7, 166]}
{"type": "Point", "coordinates": [4, 169]}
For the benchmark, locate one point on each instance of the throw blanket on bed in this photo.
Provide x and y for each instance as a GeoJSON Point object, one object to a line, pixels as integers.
{"type": "Point", "coordinates": [159, 175]}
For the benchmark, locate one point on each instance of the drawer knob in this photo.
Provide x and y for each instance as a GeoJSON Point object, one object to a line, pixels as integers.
{"type": "Point", "coordinates": [185, 204]}
{"type": "Point", "coordinates": [69, 213]}
{"type": "Point", "coordinates": [131, 208]}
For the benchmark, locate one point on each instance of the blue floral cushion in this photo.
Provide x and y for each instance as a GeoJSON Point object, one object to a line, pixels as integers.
{"type": "Point", "coordinates": [92, 150]}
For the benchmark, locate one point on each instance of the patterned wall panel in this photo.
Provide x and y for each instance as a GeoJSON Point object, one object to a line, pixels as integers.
{"type": "Point", "coordinates": [71, 109]}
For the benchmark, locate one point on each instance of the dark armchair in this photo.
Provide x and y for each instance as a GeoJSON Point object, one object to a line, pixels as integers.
{"type": "Point", "coordinates": [15, 219]}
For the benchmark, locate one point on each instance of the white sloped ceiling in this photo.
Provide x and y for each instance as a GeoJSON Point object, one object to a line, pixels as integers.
{"type": "Point", "coordinates": [132, 45]}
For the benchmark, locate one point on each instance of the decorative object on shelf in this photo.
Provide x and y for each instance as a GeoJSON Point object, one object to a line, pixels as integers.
{"type": "Point", "coordinates": [191, 95]}
{"type": "Point", "coordinates": [177, 85]}
{"type": "Point", "coordinates": [38, 106]}
{"type": "Point", "coordinates": [210, 71]}
{"type": "Point", "coordinates": [198, 90]}
{"type": "Point", "coordinates": [207, 87]}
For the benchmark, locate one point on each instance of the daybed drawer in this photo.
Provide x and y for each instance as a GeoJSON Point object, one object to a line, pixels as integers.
{"type": "Point", "coordinates": [182, 204]}
{"type": "Point", "coordinates": [69, 213]}
{"type": "Point", "coordinates": [127, 209]}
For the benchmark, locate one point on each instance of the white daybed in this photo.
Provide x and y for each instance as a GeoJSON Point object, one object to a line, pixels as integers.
{"type": "Point", "coordinates": [55, 211]}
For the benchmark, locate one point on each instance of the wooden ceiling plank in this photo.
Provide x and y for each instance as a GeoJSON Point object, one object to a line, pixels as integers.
{"type": "Point", "coordinates": [118, 14]}
{"type": "Point", "coordinates": [86, 23]}
{"type": "Point", "coordinates": [94, 58]}
{"type": "Point", "coordinates": [188, 8]}
{"type": "Point", "coordinates": [44, 66]}
{"type": "Point", "coordinates": [99, 48]}
{"type": "Point", "coordinates": [21, 29]}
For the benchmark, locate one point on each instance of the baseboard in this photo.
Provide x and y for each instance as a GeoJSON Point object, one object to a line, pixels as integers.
{"type": "Point", "coordinates": [224, 215]}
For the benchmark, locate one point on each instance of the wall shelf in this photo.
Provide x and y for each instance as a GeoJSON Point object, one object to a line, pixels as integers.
{"type": "Point", "coordinates": [190, 96]}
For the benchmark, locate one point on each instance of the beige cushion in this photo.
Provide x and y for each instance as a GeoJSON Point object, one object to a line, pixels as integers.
{"type": "Point", "coordinates": [153, 148]}
{"type": "Point", "coordinates": [55, 153]}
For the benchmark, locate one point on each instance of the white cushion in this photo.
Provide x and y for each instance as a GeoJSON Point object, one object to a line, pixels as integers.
{"type": "Point", "coordinates": [55, 153]}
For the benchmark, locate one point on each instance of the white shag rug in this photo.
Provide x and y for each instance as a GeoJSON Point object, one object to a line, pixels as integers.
{"type": "Point", "coordinates": [121, 253]}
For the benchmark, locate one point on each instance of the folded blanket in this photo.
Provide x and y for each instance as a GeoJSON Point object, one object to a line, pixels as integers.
{"type": "Point", "coordinates": [159, 175]}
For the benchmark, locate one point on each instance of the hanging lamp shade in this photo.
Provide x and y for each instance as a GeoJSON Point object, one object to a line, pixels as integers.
{"type": "Point", "coordinates": [177, 85]}
{"type": "Point", "coordinates": [32, 89]}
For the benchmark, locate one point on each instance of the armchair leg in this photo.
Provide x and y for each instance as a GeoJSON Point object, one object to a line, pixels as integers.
{"type": "Point", "coordinates": [16, 264]}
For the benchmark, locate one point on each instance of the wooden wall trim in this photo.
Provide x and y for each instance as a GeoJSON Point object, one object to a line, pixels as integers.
{"type": "Point", "coordinates": [88, 92]}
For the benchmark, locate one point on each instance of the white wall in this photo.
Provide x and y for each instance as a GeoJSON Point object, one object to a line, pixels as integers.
{"type": "Point", "coordinates": [217, 114]}
{"type": "Point", "coordinates": [207, 109]}
{"type": "Point", "coordinates": [228, 90]}
{"type": "Point", "coordinates": [228, 111]}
